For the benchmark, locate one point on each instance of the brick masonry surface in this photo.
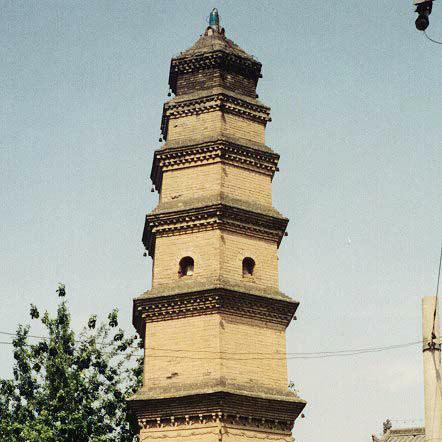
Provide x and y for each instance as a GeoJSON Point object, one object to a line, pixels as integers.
{"type": "Point", "coordinates": [230, 351]}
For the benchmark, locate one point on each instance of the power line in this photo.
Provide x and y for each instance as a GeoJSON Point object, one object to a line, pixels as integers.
{"type": "Point", "coordinates": [431, 39]}
{"type": "Point", "coordinates": [314, 353]}
{"type": "Point", "coordinates": [259, 356]}
{"type": "Point", "coordinates": [105, 352]}
{"type": "Point", "coordinates": [283, 355]}
{"type": "Point", "coordinates": [433, 332]}
{"type": "Point", "coordinates": [178, 350]}
{"type": "Point", "coordinates": [309, 355]}
{"type": "Point", "coordinates": [45, 338]}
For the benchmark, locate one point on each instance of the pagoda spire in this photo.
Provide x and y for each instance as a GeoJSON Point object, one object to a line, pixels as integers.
{"type": "Point", "coordinates": [214, 20]}
{"type": "Point", "coordinates": [213, 239]}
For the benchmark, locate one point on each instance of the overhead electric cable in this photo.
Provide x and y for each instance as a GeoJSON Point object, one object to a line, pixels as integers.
{"type": "Point", "coordinates": [431, 39]}
{"type": "Point", "coordinates": [433, 331]}
{"type": "Point", "coordinates": [353, 350]}
{"type": "Point", "coordinates": [313, 353]}
{"type": "Point", "coordinates": [260, 356]}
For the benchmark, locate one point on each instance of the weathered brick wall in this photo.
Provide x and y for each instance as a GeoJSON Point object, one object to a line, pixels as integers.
{"type": "Point", "coordinates": [194, 126]}
{"type": "Point", "coordinates": [201, 180]}
{"type": "Point", "coordinates": [254, 353]}
{"type": "Point", "coordinates": [237, 246]}
{"type": "Point", "coordinates": [191, 182]}
{"type": "Point", "coordinates": [239, 127]}
{"type": "Point", "coordinates": [209, 79]}
{"type": "Point", "coordinates": [194, 433]}
{"type": "Point", "coordinates": [216, 253]}
{"type": "Point", "coordinates": [203, 247]}
{"type": "Point", "coordinates": [189, 366]}
{"type": "Point", "coordinates": [199, 351]}
{"type": "Point", "coordinates": [211, 432]}
{"type": "Point", "coordinates": [246, 184]}
{"type": "Point", "coordinates": [241, 434]}
{"type": "Point", "coordinates": [211, 123]}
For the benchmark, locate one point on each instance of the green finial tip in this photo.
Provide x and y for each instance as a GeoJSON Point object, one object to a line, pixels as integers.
{"type": "Point", "coordinates": [214, 19]}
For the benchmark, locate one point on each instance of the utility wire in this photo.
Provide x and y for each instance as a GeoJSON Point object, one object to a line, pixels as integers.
{"type": "Point", "coordinates": [431, 39]}
{"type": "Point", "coordinates": [105, 352]}
{"type": "Point", "coordinates": [314, 353]}
{"type": "Point", "coordinates": [79, 341]}
{"type": "Point", "coordinates": [433, 332]}
{"type": "Point", "coordinates": [319, 355]}
{"type": "Point", "coordinates": [288, 356]}
{"type": "Point", "coordinates": [295, 354]}
{"type": "Point", "coordinates": [357, 350]}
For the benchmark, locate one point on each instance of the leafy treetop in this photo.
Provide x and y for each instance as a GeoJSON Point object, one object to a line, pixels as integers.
{"type": "Point", "coordinates": [66, 389]}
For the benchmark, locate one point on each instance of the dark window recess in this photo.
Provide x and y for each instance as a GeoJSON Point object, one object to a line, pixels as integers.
{"type": "Point", "coordinates": [248, 267]}
{"type": "Point", "coordinates": [186, 267]}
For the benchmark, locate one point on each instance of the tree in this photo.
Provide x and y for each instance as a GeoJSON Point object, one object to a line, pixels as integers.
{"type": "Point", "coordinates": [66, 389]}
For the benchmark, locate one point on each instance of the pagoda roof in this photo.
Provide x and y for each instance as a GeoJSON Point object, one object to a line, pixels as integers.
{"type": "Point", "coordinates": [198, 285]}
{"type": "Point", "coordinates": [214, 138]}
{"type": "Point", "coordinates": [179, 215]}
{"type": "Point", "coordinates": [217, 198]}
{"type": "Point", "coordinates": [213, 49]}
{"type": "Point", "coordinates": [212, 41]}
{"type": "Point", "coordinates": [216, 400]}
{"type": "Point", "coordinates": [198, 389]}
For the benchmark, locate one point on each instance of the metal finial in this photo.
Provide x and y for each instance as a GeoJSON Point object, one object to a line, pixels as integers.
{"type": "Point", "coordinates": [214, 19]}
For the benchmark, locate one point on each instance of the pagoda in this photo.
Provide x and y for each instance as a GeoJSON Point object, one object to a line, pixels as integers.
{"type": "Point", "coordinates": [213, 324]}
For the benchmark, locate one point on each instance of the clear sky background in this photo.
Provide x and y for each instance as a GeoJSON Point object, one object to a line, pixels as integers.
{"type": "Point", "coordinates": [356, 99]}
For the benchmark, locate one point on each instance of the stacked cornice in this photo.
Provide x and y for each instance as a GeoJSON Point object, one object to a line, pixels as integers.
{"type": "Point", "coordinates": [218, 405]}
{"type": "Point", "coordinates": [216, 211]}
{"type": "Point", "coordinates": [191, 298]}
{"type": "Point", "coordinates": [214, 52]}
{"type": "Point", "coordinates": [190, 153]}
{"type": "Point", "coordinates": [217, 99]}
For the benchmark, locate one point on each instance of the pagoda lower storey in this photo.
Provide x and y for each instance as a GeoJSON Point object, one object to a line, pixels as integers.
{"type": "Point", "coordinates": [216, 416]}
{"type": "Point", "coordinates": [213, 388]}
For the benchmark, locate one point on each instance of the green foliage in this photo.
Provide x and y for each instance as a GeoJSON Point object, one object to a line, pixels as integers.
{"type": "Point", "coordinates": [66, 389]}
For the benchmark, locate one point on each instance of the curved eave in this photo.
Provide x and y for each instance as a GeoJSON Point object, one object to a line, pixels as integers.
{"type": "Point", "coordinates": [212, 100]}
{"type": "Point", "coordinates": [196, 297]}
{"type": "Point", "coordinates": [217, 59]}
{"type": "Point", "coordinates": [239, 152]}
{"type": "Point", "coordinates": [222, 210]}
{"type": "Point", "coordinates": [222, 399]}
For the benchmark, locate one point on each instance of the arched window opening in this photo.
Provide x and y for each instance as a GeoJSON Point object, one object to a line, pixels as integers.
{"type": "Point", "coordinates": [186, 267]}
{"type": "Point", "coordinates": [248, 267]}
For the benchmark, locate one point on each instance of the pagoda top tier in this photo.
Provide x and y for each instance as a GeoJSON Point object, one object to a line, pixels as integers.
{"type": "Point", "coordinates": [212, 61]}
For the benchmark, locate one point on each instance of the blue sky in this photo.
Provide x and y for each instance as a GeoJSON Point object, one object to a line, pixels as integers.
{"type": "Point", "coordinates": [356, 98]}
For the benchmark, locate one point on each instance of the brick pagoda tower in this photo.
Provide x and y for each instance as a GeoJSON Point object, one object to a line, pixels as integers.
{"type": "Point", "coordinates": [213, 323]}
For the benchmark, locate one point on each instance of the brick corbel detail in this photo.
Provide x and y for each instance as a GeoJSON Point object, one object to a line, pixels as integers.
{"type": "Point", "coordinates": [216, 216]}
{"type": "Point", "coordinates": [206, 153]}
{"type": "Point", "coordinates": [212, 103]}
{"type": "Point", "coordinates": [228, 408]}
{"type": "Point", "coordinates": [211, 301]}
{"type": "Point", "coordinates": [225, 419]}
{"type": "Point", "coordinates": [213, 60]}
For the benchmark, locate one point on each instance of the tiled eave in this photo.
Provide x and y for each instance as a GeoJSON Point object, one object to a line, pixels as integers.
{"type": "Point", "coordinates": [236, 153]}
{"type": "Point", "coordinates": [219, 101]}
{"type": "Point", "coordinates": [160, 412]}
{"type": "Point", "coordinates": [209, 217]}
{"type": "Point", "coordinates": [213, 299]}
{"type": "Point", "coordinates": [213, 60]}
